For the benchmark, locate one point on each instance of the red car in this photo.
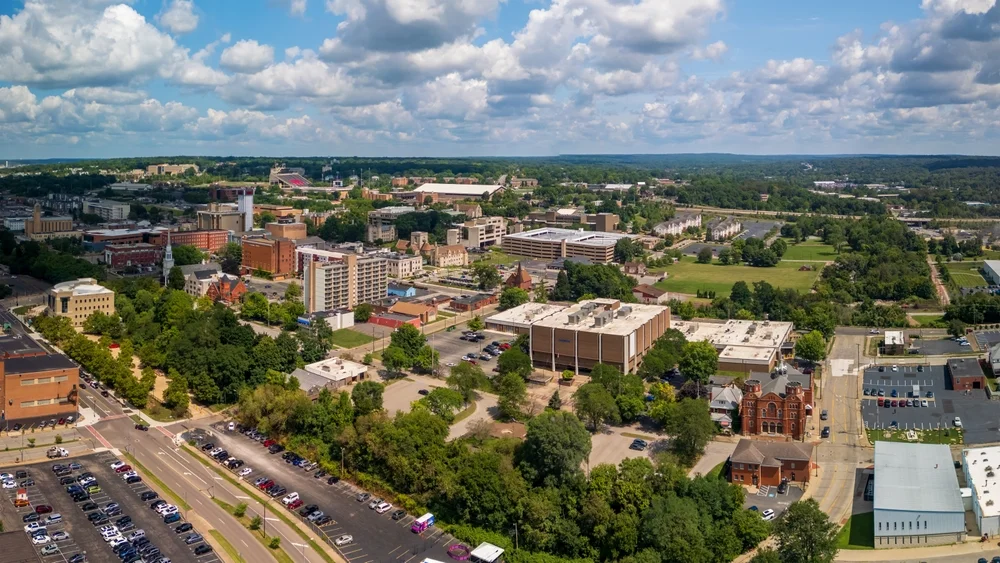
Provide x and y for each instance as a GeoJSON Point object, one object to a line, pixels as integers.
{"type": "Point", "coordinates": [123, 469]}
{"type": "Point", "coordinates": [43, 509]}
{"type": "Point", "coordinates": [295, 504]}
{"type": "Point", "coordinates": [266, 484]}
{"type": "Point", "coordinates": [268, 443]}
{"type": "Point", "coordinates": [505, 346]}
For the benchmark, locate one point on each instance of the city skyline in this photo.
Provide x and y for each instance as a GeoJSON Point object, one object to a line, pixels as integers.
{"type": "Point", "coordinates": [104, 78]}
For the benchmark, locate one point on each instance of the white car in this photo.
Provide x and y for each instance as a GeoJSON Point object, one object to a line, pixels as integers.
{"type": "Point", "coordinates": [169, 511]}
{"type": "Point", "coordinates": [117, 464]}
{"type": "Point", "coordinates": [40, 540]}
{"type": "Point", "coordinates": [118, 540]}
{"type": "Point", "coordinates": [128, 474]}
{"type": "Point", "coordinates": [895, 367]}
{"type": "Point", "coordinates": [343, 540]}
{"type": "Point", "coordinates": [768, 515]}
{"type": "Point", "coordinates": [958, 422]}
{"type": "Point", "coordinates": [292, 497]}
{"type": "Point", "coordinates": [6, 476]}
{"type": "Point", "coordinates": [34, 527]}
{"type": "Point", "coordinates": [873, 331]}
{"type": "Point", "coordinates": [383, 508]}
{"type": "Point", "coordinates": [232, 426]}
{"type": "Point", "coordinates": [9, 485]}
{"type": "Point", "coordinates": [60, 536]}
{"type": "Point", "coordinates": [165, 508]}
{"type": "Point", "coordinates": [245, 471]}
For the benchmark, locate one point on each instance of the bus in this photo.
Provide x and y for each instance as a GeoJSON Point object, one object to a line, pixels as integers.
{"type": "Point", "coordinates": [422, 523]}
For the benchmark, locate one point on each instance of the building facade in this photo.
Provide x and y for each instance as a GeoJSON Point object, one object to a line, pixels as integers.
{"type": "Point", "coordinates": [482, 232]}
{"type": "Point", "coordinates": [550, 243]}
{"type": "Point", "coordinates": [38, 387]}
{"type": "Point", "coordinates": [170, 169]}
{"type": "Point", "coordinates": [678, 225]}
{"type": "Point", "coordinates": [723, 228]}
{"type": "Point", "coordinates": [757, 463]}
{"type": "Point", "coordinates": [381, 222]}
{"type": "Point", "coordinates": [966, 374]}
{"type": "Point", "coordinates": [275, 256]}
{"type": "Point", "coordinates": [291, 231]}
{"type": "Point", "coordinates": [77, 299]}
{"type": "Point", "coordinates": [220, 216]}
{"type": "Point", "coordinates": [404, 265]}
{"type": "Point", "coordinates": [776, 405]}
{"type": "Point", "coordinates": [42, 228]}
{"type": "Point", "coordinates": [107, 209]}
{"type": "Point", "coordinates": [337, 280]}
{"type": "Point", "coordinates": [449, 256]}
{"type": "Point", "coordinates": [120, 257]}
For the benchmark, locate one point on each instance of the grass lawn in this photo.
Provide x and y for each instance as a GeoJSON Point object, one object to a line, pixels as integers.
{"type": "Point", "coordinates": [22, 309]}
{"type": "Point", "coordinates": [944, 436]}
{"type": "Point", "coordinates": [688, 276]}
{"type": "Point", "coordinates": [966, 274]}
{"type": "Point", "coordinates": [716, 472]}
{"type": "Point", "coordinates": [347, 338]}
{"type": "Point", "coordinates": [501, 257]}
{"type": "Point", "coordinates": [928, 320]}
{"type": "Point", "coordinates": [809, 250]}
{"type": "Point", "coordinates": [858, 533]}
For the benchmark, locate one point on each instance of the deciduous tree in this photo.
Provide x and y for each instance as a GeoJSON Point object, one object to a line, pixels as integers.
{"type": "Point", "coordinates": [805, 534]}
{"type": "Point", "coordinates": [511, 396]}
{"type": "Point", "coordinates": [512, 297]}
{"type": "Point", "coordinates": [554, 447]}
{"type": "Point", "coordinates": [811, 346]}
{"type": "Point", "coordinates": [593, 403]}
{"type": "Point", "coordinates": [367, 397]}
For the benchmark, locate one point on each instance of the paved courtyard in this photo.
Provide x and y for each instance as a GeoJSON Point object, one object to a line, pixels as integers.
{"type": "Point", "coordinates": [980, 416]}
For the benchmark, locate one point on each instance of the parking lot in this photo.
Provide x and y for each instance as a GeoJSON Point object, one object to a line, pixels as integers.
{"type": "Point", "coordinates": [614, 448]}
{"type": "Point", "coordinates": [939, 347]}
{"type": "Point", "coordinates": [768, 497]}
{"type": "Point", "coordinates": [757, 229]}
{"type": "Point", "coordinates": [82, 535]}
{"type": "Point", "coordinates": [376, 537]}
{"type": "Point", "coordinates": [402, 393]}
{"type": "Point", "coordinates": [987, 338]}
{"type": "Point", "coordinates": [979, 415]}
{"type": "Point", "coordinates": [694, 249]}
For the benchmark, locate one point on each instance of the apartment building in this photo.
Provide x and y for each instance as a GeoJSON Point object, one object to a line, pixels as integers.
{"type": "Point", "coordinates": [338, 280]}
{"type": "Point", "coordinates": [107, 209]}
{"type": "Point", "coordinates": [723, 228]}
{"type": "Point", "coordinates": [275, 256]}
{"type": "Point", "coordinates": [479, 233]}
{"type": "Point", "coordinates": [678, 225]}
{"type": "Point", "coordinates": [550, 243]}
{"type": "Point", "coordinates": [404, 265]}
{"type": "Point", "coordinates": [381, 222]}
{"type": "Point", "coordinates": [77, 299]}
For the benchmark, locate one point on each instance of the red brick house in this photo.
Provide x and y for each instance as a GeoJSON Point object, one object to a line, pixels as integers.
{"type": "Point", "coordinates": [394, 320]}
{"type": "Point", "coordinates": [776, 404]}
{"type": "Point", "coordinates": [473, 302]}
{"type": "Point", "coordinates": [520, 279]}
{"type": "Point", "coordinates": [758, 463]}
{"type": "Point", "coordinates": [228, 289]}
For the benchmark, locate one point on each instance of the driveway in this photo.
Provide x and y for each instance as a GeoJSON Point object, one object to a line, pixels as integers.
{"type": "Point", "coordinates": [716, 452]}
{"type": "Point", "coordinates": [613, 447]}
{"type": "Point", "coordinates": [486, 410]}
{"type": "Point", "coordinates": [399, 395]}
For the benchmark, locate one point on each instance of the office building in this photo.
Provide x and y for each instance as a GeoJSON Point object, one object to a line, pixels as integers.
{"type": "Point", "coordinates": [518, 320]}
{"type": "Point", "coordinates": [77, 299]}
{"type": "Point", "coordinates": [404, 265]}
{"type": "Point", "coordinates": [568, 217]}
{"type": "Point", "coordinates": [38, 387]}
{"type": "Point", "coordinates": [170, 169]}
{"type": "Point", "coordinates": [381, 222]}
{"type": "Point", "coordinates": [550, 243]}
{"type": "Point", "coordinates": [44, 228]}
{"type": "Point", "coordinates": [274, 256]}
{"type": "Point", "coordinates": [597, 331]}
{"type": "Point", "coordinates": [758, 463]}
{"type": "Point", "coordinates": [917, 498]}
{"type": "Point", "coordinates": [743, 346]}
{"type": "Point", "coordinates": [482, 232]}
{"type": "Point", "coordinates": [894, 342]}
{"type": "Point", "coordinates": [221, 216]}
{"type": "Point", "coordinates": [210, 240]}
{"type": "Point", "coordinates": [15, 224]}
{"type": "Point", "coordinates": [107, 209]}
{"type": "Point", "coordinates": [341, 280]}
{"type": "Point", "coordinates": [279, 211]}
{"type": "Point", "coordinates": [135, 257]}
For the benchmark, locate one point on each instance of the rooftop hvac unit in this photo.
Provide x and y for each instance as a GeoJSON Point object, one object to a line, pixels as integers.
{"type": "Point", "coordinates": [624, 311]}
{"type": "Point", "coordinates": [574, 318]}
{"type": "Point", "coordinates": [746, 339]}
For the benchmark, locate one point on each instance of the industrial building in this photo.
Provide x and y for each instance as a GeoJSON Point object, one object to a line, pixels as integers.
{"type": "Point", "coordinates": [980, 466]}
{"type": "Point", "coordinates": [338, 280]}
{"type": "Point", "coordinates": [550, 243]}
{"type": "Point", "coordinates": [77, 299]}
{"type": "Point", "coordinates": [597, 331]}
{"type": "Point", "coordinates": [107, 209]}
{"type": "Point", "coordinates": [917, 498]}
{"type": "Point", "coordinates": [991, 271]}
{"type": "Point", "coordinates": [743, 346]}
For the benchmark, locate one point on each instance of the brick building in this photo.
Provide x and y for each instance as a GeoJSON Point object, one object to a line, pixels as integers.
{"type": "Point", "coordinates": [292, 231]}
{"type": "Point", "coordinates": [119, 257]}
{"type": "Point", "coordinates": [757, 463]}
{"type": "Point", "coordinates": [966, 373]}
{"type": "Point", "coordinates": [473, 302]}
{"type": "Point", "coordinates": [226, 288]}
{"type": "Point", "coordinates": [275, 256]}
{"type": "Point", "coordinates": [520, 279]}
{"type": "Point", "coordinates": [776, 404]}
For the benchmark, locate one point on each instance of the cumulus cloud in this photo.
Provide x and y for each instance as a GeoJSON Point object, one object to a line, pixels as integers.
{"type": "Point", "coordinates": [247, 56]}
{"type": "Point", "coordinates": [179, 17]}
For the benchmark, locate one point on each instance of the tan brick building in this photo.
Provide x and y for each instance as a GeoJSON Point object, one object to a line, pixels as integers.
{"type": "Point", "coordinates": [38, 387]}
{"type": "Point", "coordinates": [292, 231]}
{"type": "Point", "coordinates": [77, 299]}
{"type": "Point", "coordinates": [550, 244]}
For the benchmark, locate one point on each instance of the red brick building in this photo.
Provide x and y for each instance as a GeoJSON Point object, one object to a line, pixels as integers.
{"type": "Point", "coordinates": [394, 320]}
{"type": "Point", "coordinates": [966, 374]}
{"type": "Point", "coordinates": [210, 240]}
{"type": "Point", "coordinates": [473, 302]}
{"type": "Point", "coordinates": [776, 404]}
{"type": "Point", "coordinates": [228, 289]}
{"type": "Point", "coordinates": [276, 256]}
{"type": "Point", "coordinates": [520, 279]}
{"type": "Point", "coordinates": [119, 257]}
{"type": "Point", "coordinates": [758, 463]}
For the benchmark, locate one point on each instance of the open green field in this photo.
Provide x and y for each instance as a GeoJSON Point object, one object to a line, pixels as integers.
{"type": "Point", "coordinates": [966, 274]}
{"type": "Point", "coordinates": [497, 256]}
{"type": "Point", "coordinates": [347, 338]}
{"type": "Point", "coordinates": [810, 250]}
{"type": "Point", "coordinates": [928, 320]}
{"type": "Point", "coordinates": [858, 533]}
{"type": "Point", "coordinates": [688, 276]}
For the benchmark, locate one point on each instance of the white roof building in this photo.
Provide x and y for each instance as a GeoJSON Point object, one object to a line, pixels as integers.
{"type": "Point", "coordinates": [894, 338]}
{"type": "Point", "coordinates": [330, 373]}
{"type": "Point", "coordinates": [486, 553]}
{"type": "Point", "coordinates": [468, 190]}
{"type": "Point", "coordinates": [980, 466]}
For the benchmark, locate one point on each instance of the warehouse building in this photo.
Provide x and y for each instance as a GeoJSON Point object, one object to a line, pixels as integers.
{"type": "Point", "coordinates": [743, 346]}
{"type": "Point", "coordinates": [550, 243]}
{"type": "Point", "coordinates": [980, 466]}
{"type": "Point", "coordinates": [597, 331]}
{"type": "Point", "coordinates": [917, 498]}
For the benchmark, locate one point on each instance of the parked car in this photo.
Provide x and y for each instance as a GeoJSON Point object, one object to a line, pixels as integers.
{"type": "Point", "coordinates": [823, 415]}
{"type": "Point", "coordinates": [826, 432]}
{"type": "Point", "coordinates": [768, 515]}
{"type": "Point", "coordinates": [343, 540]}
{"type": "Point", "coordinates": [398, 514]}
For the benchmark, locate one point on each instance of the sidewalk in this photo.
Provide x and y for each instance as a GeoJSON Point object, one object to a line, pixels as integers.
{"type": "Point", "coordinates": [972, 549]}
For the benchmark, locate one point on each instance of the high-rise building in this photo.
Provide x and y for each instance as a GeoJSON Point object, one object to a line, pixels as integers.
{"type": "Point", "coordinates": [335, 280]}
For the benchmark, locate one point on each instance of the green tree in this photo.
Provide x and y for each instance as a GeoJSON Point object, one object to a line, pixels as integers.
{"type": "Point", "coordinates": [555, 401]}
{"type": "Point", "coordinates": [811, 346]}
{"type": "Point", "coordinates": [367, 397]}
{"type": "Point", "coordinates": [671, 526]}
{"type": "Point", "coordinates": [805, 534]}
{"type": "Point", "coordinates": [705, 255]}
{"type": "Point", "coordinates": [186, 254]}
{"type": "Point", "coordinates": [692, 429]}
{"type": "Point", "coordinates": [363, 312]}
{"type": "Point", "coordinates": [409, 339]}
{"type": "Point", "coordinates": [175, 397]}
{"type": "Point", "coordinates": [293, 292]}
{"type": "Point", "coordinates": [592, 402]}
{"type": "Point", "coordinates": [779, 246]}
{"type": "Point", "coordinates": [555, 446]}
{"type": "Point", "coordinates": [426, 360]}
{"type": "Point", "coordinates": [231, 257]}
{"type": "Point", "coordinates": [512, 396]}
{"type": "Point", "coordinates": [512, 297]}
{"type": "Point", "coordinates": [627, 250]}
{"type": "Point", "coordinates": [513, 360]}
{"type": "Point", "coordinates": [476, 324]}
{"type": "Point", "coordinates": [466, 378]}
{"type": "Point", "coordinates": [487, 277]}
{"type": "Point", "coordinates": [699, 361]}
{"type": "Point", "coordinates": [396, 360]}
{"type": "Point", "coordinates": [175, 278]}
{"type": "Point", "coordinates": [443, 402]}
{"type": "Point", "coordinates": [956, 328]}
{"type": "Point", "coordinates": [766, 555]}
{"type": "Point", "coordinates": [750, 528]}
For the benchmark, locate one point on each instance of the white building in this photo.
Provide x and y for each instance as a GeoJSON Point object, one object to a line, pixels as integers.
{"type": "Point", "coordinates": [486, 553]}
{"type": "Point", "coordinates": [991, 271]}
{"type": "Point", "coordinates": [980, 466]}
{"type": "Point", "coordinates": [404, 265]}
{"type": "Point", "coordinates": [341, 280]}
{"type": "Point", "coordinates": [107, 209]}
{"type": "Point", "coordinates": [917, 498]}
{"type": "Point", "coordinates": [336, 319]}
{"type": "Point", "coordinates": [15, 224]}
{"type": "Point", "coordinates": [479, 233]}
{"type": "Point", "coordinates": [454, 192]}
{"type": "Point", "coordinates": [677, 225]}
{"type": "Point", "coordinates": [330, 373]}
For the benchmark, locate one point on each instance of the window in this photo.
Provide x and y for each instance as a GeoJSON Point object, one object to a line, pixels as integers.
{"type": "Point", "coordinates": [911, 524]}
{"type": "Point", "coordinates": [61, 378]}
{"type": "Point", "coordinates": [880, 526]}
{"type": "Point", "coordinates": [925, 524]}
{"type": "Point", "coordinates": [893, 525]}
{"type": "Point", "coordinates": [27, 382]}
{"type": "Point", "coordinates": [793, 465]}
{"type": "Point", "coordinates": [44, 380]}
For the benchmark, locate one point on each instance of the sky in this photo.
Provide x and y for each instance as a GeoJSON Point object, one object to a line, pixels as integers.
{"type": "Point", "coordinates": [111, 78]}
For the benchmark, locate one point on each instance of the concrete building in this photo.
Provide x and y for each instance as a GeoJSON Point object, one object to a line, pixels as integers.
{"type": "Point", "coordinates": [339, 280]}
{"type": "Point", "coordinates": [44, 228]}
{"type": "Point", "coordinates": [678, 225]}
{"type": "Point", "coordinates": [336, 319]}
{"type": "Point", "coordinates": [966, 374]}
{"type": "Point", "coordinates": [291, 231]}
{"type": "Point", "coordinates": [549, 243]}
{"type": "Point", "coordinates": [170, 169]}
{"type": "Point", "coordinates": [77, 299]}
{"type": "Point", "coordinates": [518, 320]}
{"type": "Point", "coordinates": [470, 210]}
{"type": "Point", "coordinates": [275, 256]}
{"type": "Point", "coordinates": [758, 463]}
{"type": "Point", "coordinates": [482, 232]}
{"type": "Point", "coordinates": [917, 498]}
{"type": "Point", "coordinates": [221, 216]}
{"type": "Point", "coordinates": [15, 224]}
{"type": "Point", "coordinates": [597, 331]}
{"type": "Point", "coordinates": [991, 271]}
{"type": "Point", "coordinates": [980, 465]}
{"type": "Point", "coordinates": [744, 346]}
{"type": "Point", "coordinates": [331, 373]}
{"type": "Point", "coordinates": [894, 343]}
{"type": "Point", "coordinates": [723, 228]}
{"type": "Point", "coordinates": [382, 222]}
{"type": "Point", "coordinates": [601, 222]}
{"type": "Point", "coordinates": [449, 256]}
{"type": "Point", "coordinates": [447, 193]}
{"type": "Point", "coordinates": [404, 265]}
{"type": "Point", "coordinates": [107, 209]}
{"type": "Point", "coordinates": [776, 404]}
{"type": "Point", "coordinates": [142, 256]}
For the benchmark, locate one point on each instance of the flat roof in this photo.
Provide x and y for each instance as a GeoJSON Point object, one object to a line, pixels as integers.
{"type": "Point", "coordinates": [486, 552]}
{"type": "Point", "coordinates": [916, 477]}
{"type": "Point", "coordinates": [894, 337]}
{"type": "Point", "coordinates": [526, 314]}
{"type": "Point", "coordinates": [30, 364]}
{"type": "Point", "coordinates": [82, 286]}
{"type": "Point", "coordinates": [335, 369]}
{"type": "Point", "coordinates": [124, 232]}
{"type": "Point", "coordinates": [625, 319]}
{"type": "Point", "coordinates": [993, 265]}
{"type": "Point", "coordinates": [459, 189]}
{"type": "Point", "coordinates": [746, 353]}
{"type": "Point", "coordinates": [981, 465]}
{"type": "Point", "coordinates": [752, 334]}
{"type": "Point", "coordinates": [587, 238]}
{"type": "Point", "coordinates": [965, 367]}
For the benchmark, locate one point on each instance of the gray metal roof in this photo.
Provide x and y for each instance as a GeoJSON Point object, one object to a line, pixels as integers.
{"type": "Point", "coordinates": [916, 477]}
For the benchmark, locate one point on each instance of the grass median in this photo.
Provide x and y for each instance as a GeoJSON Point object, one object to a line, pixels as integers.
{"type": "Point", "coordinates": [178, 500]}
{"type": "Point", "coordinates": [249, 491]}
{"type": "Point", "coordinates": [278, 553]}
{"type": "Point", "coordinates": [226, 546]}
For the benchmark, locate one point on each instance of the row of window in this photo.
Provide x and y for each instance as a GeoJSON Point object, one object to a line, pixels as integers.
{"type": "Point", "coordinates": [751, 467]}
{"type": "Point", "coordinates": [44, 402]}
{"type": "Point", "coordinates": [902, 525]}
{"type": "Point", "coordinates": [44, 380]}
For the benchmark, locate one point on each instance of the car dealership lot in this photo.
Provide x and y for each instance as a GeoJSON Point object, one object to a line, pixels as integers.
{"type": "Point", "coordinates": [377, 537]}
{"type": "Point", "coordinates": [83, 535]}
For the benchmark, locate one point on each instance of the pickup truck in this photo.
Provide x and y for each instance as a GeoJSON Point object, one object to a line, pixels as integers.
{"type": "Point", "coordinates": [57, 452]}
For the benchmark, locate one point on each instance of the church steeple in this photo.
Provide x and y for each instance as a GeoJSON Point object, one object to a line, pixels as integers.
{"type": "Point", "coordinates": [168, 260]}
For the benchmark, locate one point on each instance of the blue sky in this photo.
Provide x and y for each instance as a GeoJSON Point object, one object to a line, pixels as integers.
{"type": "Point", "coordinates": [101, 78]}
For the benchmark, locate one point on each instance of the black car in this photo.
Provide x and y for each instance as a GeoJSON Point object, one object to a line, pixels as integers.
{"type": "Point", "coordinates": [309, 509]}
{"type": "Point", "coordinates": [398, 514]}
{"type": "Point", "coordinates": [208, 447]}
{"type": "Point", "coordinates": [95, 516]}
{"type": "Point", "coordinates": [67, 480]}
{"type": "Point", "coordinates": [423, 392]}
{"type": "Point", "coordinates": [102, 520]}
{"type": "Point", "coordinates": [326, 519]}
{"type": "Point", "coordinates": [319, 474]}
{"type": "Point", "coordinates": [116, 511]}
{"type": "Point", "coordinates": [78, 558]}
{"type": "Point", "coordinates": [80, 497]}
{"type": "Point", "coordinates": [275, 448]}
{"type": "Point", "coordinates": [826, 432]}
{"type": "Point", "coordinates": [185, 527]}
{"type": "Point", "coordinates": [203, 549]}
{"type": "Point", "coordinates": [783, 487]}
{"type": "Point", "coordinates": [332, 480]}
{"type": "Point", "coordinates": [20, 474]}
{"type": "Point", "coordinates": [123, 520]}
{"type": "Point", "coordinates": [142, 427]}
{"type": "Point", "coordinates": [16, 427]}
{"type": "Point", "coordinates": [30, 517]}
{"type": "Point", "coordinates": [277, 491]}
{"type": "Point", "coordinates": [133, 479]}
{"type": "Point", "coordinates": [148, 495]}
{"type": "Point", "coordinates": [87, 507]}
